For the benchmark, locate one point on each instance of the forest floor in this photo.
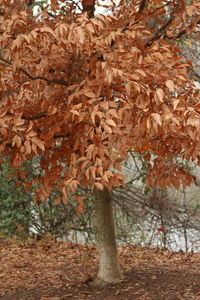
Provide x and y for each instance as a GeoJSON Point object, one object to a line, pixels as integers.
{"type": "Point", "coordinates": [47, 270]}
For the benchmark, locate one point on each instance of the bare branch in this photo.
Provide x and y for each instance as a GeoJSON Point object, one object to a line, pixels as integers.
{"type": "Point", "coordinates": [49, 81]}
{"type": "Point", "coordinates": [158, 34]}
{"type": "Point", "coordinates": [77, 5]}
{"type": "Point", "coordinates": [5, 61]}
{"type": "Point", "coordinates": [57, 136]}
{"type": "Point", "coordinates": [142, 6]}
{"type": "Point", "coordinates": [36, 117]}
{"type": "Point", "coordinates": [180, 34]}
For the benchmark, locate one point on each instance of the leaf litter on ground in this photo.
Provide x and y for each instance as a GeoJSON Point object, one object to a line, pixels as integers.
{"type": "Point", "coordinates": [48, 270]}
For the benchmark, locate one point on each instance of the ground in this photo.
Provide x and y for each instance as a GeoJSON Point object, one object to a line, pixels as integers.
{"type": "Point", "coordinates": [47, 270]}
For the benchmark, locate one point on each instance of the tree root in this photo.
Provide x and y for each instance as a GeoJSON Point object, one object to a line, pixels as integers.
{"type": "Point", "coordinates": [96, 281]}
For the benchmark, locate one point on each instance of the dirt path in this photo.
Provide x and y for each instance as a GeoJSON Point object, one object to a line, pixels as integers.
{"type": "Point", "coordinates": [47, 270]}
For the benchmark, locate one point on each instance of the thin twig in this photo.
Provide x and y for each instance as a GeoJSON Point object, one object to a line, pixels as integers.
{"type": "Point", "coordinates": [58, 136]}
{"type": "Point", "coordinates": [5, 61]}
{"type": "Point", "coordinates": [76, 4]}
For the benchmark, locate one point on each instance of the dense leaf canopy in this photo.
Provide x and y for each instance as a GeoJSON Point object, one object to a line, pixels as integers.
{"type": "Point", "coordinates": [80, 92]}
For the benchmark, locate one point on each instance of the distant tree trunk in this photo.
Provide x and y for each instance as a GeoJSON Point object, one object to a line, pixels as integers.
{"type": "Point", "coordinates": [109, 270]}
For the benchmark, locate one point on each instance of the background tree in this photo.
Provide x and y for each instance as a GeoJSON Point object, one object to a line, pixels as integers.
{"type": "Point", "coordinates": [80, 92]}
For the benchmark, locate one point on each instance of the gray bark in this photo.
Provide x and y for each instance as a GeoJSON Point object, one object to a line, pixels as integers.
{"type": "Point", "coordinates": [109, 270]}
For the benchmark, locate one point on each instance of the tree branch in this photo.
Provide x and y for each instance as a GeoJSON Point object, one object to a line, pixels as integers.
{"type": "Point", "coordinates": [89, 7]}
{"type": "Point", "coordinates": [180, 34]}
{"type": "Point", "coordinates": [142, 6]}
{"type": "Point", "coordinates": [49, 81]}
{"type": "Point", "coordinates": [5, 61]}
{"type": "Point", "coordinates": [76, 4]}
{"type": "Point", "coordinates": [158, 34]}
{"type": "Point", "coordinates": [36, 117]}
{"type": "Point", "coordinates": [57, 136]}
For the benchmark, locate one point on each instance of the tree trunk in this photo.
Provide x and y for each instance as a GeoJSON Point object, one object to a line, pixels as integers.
{"type": "Point", "coordinates": [109, 270]}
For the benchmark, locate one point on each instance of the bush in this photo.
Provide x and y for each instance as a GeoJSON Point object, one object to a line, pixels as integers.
{"type": "Point", "coordinates": [15, 205]}
{"type": "Point", "coordinates": [21, 217]}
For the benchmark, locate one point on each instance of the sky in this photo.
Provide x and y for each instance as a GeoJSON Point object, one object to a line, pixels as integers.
{"type": "Point", "coordinates": [98, 10]}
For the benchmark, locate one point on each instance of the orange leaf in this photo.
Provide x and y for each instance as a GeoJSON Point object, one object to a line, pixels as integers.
{"type": "Point", "coordinates": [64, 196]}
{"type": "Point", "coordinates": [38, 142]}
{"type": "Point", "coordinates": [27, 146]}
{"type": "Point", "coordinates": [157, 118]}
{"type": "Point", "coordinates": [170, 84]}
{"type": "Point", "coordinates": [160, 94]}
{"type": "Point", "coordinates": [111, 123]}
{"type": "Point", "coordinates": [16, 140]}
{"type": "Point", "coordinates": [98, 185]}
{"type": "Point", "coordinates": [57, 201]}
{"type": "Point", "coordinates": [107, 129]}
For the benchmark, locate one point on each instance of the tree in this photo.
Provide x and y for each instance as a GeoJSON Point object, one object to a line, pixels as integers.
{"type": "Point", "coordinates": [79, 91]}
